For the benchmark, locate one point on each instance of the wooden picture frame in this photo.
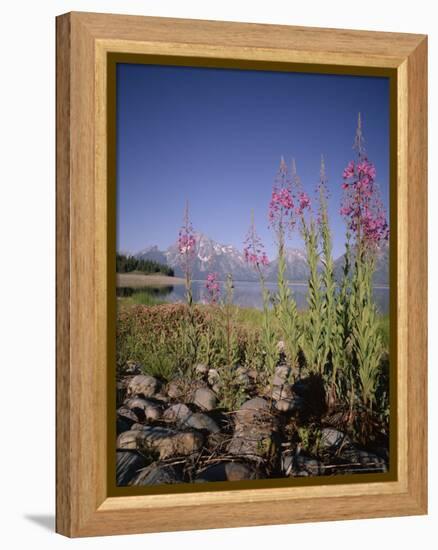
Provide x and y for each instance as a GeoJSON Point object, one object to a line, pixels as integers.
{"type": "Point", "coordinates": [85, 42]}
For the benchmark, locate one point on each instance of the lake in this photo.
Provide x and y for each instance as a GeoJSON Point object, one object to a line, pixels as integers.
{"type": "Point", "coordinates": [246, 294]}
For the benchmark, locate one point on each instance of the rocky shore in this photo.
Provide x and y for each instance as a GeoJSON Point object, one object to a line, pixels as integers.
{"type": "Point", "coordinates": [177, 433]}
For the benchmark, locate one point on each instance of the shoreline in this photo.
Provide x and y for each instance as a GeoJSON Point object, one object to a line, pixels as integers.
{"type": "Point", "coordinates": [139, 280]}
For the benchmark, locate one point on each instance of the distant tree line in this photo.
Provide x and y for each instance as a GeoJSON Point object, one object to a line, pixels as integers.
{"type": "Point", "coordinates": [126, 264]}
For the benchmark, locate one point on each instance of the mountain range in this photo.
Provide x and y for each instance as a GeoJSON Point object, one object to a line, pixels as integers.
{"type": "Point", "coordinates": [213, 257]}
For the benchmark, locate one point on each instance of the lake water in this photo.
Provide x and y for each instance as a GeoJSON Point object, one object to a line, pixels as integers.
{"type": "Point", "coordinates": [246, 294]}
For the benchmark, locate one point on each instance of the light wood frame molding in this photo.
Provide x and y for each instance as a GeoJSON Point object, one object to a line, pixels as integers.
{"type": "Point", "coordinates": [83, 42]}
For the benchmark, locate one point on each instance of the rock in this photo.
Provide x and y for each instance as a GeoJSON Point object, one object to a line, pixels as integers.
{"type": "Point", "coordinates": [301, 466]}
{"type": "Point", "coordinates": [128, 415]}
{"type": "Point", "coordinates": [226, 471]}
{"type": "Point", "coordinates": [176, 389]}
{"type": "Point", "coordinates": [177, 413]}
{"type": "Point", "coordinates": [144, 385]}
{"type": "Point", "coordinates": [127, 465]}
{"type": "Point", "coordinates": [213, 377]}
{"type": "Point", "coordinates": [132, 367]}
{"type": "Point", "coordinates": [205, 399]}
{"type": "Point", "coordinates": [281, 375]}
{"type": "Point", "coordinates": [256, 409]}
{"type": "Point", "coordinates": [157, 475]}
{"type": "Point", "coordinates": [167, 442]}
{"type": "Point", "coordinates": [310, 465]}
{"type": "Point", "coordinates": [128, 440]}
{"type": "Point", "coordinates": [137, 426]}
{"type": "Point", "coordinates": [288, 405]}
{"type": "Point", "coordinates": [365, 461]}
{"type": "Point", "coordinates": [150, 410]}
{"type": "Point", "coordinates": [254, 442]}
{"type": "Point", "coordinates": [201, 421]}
{"type": "Point", "coordinates": [332, 438]}
{"type": "Point", "coordinates": [254, 430]}
{"type": "Point", "coordinates": [287, 463]}
{"type": "Point", "coordinates": [201, 369]}
{"type": "Point", "coordinates": [282, 392]}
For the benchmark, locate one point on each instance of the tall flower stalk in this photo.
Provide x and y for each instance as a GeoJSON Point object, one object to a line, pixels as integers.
{"type": "Point", "coordinates": [312, 339]}
{"type": "Point", "coordinates": [332, 348]}
{"type": "Point", "coordinates": [365, 216]}
{"type": "Point", "coordinates": [281, 220]}
{"type": "Point", "coordinates": [187, 251]}
{"type": "Point", "coordinates": [212, 287]}
{"type": "Point", "coordinates": [255, 256]}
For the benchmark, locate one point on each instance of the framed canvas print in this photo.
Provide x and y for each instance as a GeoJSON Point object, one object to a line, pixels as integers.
{"type": "Point", "coordinates": [241, 274]}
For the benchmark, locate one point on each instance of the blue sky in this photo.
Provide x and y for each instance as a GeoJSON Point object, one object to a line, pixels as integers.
{"type": "Point", "coordinates": [214, 137]}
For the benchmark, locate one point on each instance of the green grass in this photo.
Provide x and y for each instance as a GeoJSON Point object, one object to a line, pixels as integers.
{"type": "Point", "coordinates": [140, 299]}
{"type": "Point", "coordinates": [384, 330]}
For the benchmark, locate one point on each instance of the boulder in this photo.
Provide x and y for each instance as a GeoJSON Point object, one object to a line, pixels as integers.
{"type": "Point", "coordinates": [292, 404]}
{"type": "Point", "coordinates": [176, 413]}
{"type": "Point", "coordinates": [226, 471]}
{"type": "Point", "coordinates": [282, 392]}
{"type": "Point", "coordinates": [128, 415]}
{"type": "Point", "coordinates": [201, 421]}
{"type": "Point", "coordinates": [132, 367]}
{"type": "Point", "coordinates": [364, 461]}
{"type": "Point", "coordinates": [175, 389]}
{"type": "Point", "coordinates": [128, 463]}
{"type": "Point", "coordinates": [254, 430]}
{"type": "Point", "coordinates": [157, 475]}
{"type": "Point", "coordinates": [332, 438]}
{"type": "Point", "coordinates": [301, 466]}
{"type": "Point", "coordinates": [254, 410]}
{"type": "Point", "coordinates": [143, 385]}
{"type": "Point", "coordinates": [313, 466]}
{"type": "Point", "coordinates": [166, 442]}
{"type": "Point", "coordinates": [201, 370]}
{"type": "Point", "coordinates": [281, 375]}
{"type": "Point", "coordinates": [213, 377]}
{"type": "Point", "coordinates": [205, 399]}
{"type": "Point", "coordinates": [150, 410]}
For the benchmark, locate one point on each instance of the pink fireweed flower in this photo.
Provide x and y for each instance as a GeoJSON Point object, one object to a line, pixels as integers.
{"type": "Point", "coordinates": [213, 288]}
{"type": "Point", "coordinates": [302, 199]}
{"type": "Point", "coordinates": [253, 249]}
{"type": "Point", "coordinates": [361, 204]}
{"type": "Point", "coordinates": [186, 237]}
{"type": "Point", "coordinates": [303, 202]}
{"type": "Point", "coordinates": [349, 170]}
{"type": "Point", "coordinates": [281, 205]}
{"type": "Point", "coordinates": [186, 244]}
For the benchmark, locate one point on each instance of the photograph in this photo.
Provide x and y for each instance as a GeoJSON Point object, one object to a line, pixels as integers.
{"type": "Point", "coordinates": [253, 295]}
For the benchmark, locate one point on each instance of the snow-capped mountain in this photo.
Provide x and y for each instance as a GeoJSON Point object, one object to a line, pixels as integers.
{"type": "Point", "coordinates": [223, 259]}
{"type": "Point", "coordinates": [381, 272]}
{"type": "Point", "coordinates": [297, 269]}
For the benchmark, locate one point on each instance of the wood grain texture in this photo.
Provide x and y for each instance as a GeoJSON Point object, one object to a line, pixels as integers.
{"type": "Point", "coordinates": [63, 408]}
{"type": "Point", "coordinates": [417, 273]}
{"type": "Point", "coordinates": [83, 41]}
